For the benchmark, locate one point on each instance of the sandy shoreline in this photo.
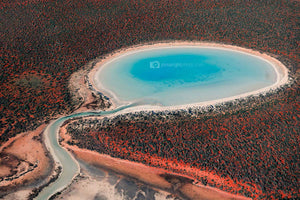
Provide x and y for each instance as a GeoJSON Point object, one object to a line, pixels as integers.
{"type": "Point", "coordinates": [280, 69]}
{"type": "Point", "coordinates": [36, 153]}
{"type": "Point", "coordinates": [146, 174]}
{"type": "Point", "coordinates": [34, 166]}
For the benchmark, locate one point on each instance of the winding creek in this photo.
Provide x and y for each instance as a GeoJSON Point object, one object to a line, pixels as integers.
{"type": "Point", "coordinates": [70, 167]}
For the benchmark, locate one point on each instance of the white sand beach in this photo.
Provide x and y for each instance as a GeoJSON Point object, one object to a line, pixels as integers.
{"type": "Point", "coordinates": [280, 69]}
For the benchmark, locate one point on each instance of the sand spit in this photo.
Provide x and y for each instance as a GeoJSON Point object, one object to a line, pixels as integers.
{"type": "Point", "coordinates": [280, 69]}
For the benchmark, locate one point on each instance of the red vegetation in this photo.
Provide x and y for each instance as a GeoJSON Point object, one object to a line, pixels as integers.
{"type": "Point", "coordinates": [254, 152]}
{"type": "Point", "coordinates": [43, 42]}
{"type": "Point", "coordinates": [52, 39]}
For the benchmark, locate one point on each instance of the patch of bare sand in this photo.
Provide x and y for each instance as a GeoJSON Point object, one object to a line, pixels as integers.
{"type": "Point", "coordinates": [146, 174]}
{"type": "Point", "coordinates": [27, 159]}
{"type": "Point", "coordinates": [88, 187]}
{"type": "Point", "coordinates": [18, 195]}
{"type": "Point", "coordinates": [197, 192]}
{"type": "Point", "coordinates": [132, 169]}
{"type": "Point", "coordinates": [82, 95]}
{"type": "Point", "coordinates": [4, 170]}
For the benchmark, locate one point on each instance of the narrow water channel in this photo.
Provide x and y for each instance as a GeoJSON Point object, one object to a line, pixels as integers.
{"type": "Point", "coordinates": [70, 167]}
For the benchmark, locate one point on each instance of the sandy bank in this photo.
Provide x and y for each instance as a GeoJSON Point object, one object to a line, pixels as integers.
{"type": "Point", "coordinates": [280, 69]}
{"type": "Point", "coordinates": [82, 95]}
{"type": "Point", "coordinates": [146, 174]}
{"type": "Point", "coordinates": [26, 158]}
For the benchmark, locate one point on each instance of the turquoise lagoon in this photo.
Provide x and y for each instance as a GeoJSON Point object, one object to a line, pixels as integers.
{"type": "Point", "coordinates": [179, 75]}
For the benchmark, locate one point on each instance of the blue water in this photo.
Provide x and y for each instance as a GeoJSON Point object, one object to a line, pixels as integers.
{"type": "Point", "coordinates": [183, 75]}
{"type": "Point", "coordinates": [168, 76]}
{"type": "Point", "coordinates": [69, 166]}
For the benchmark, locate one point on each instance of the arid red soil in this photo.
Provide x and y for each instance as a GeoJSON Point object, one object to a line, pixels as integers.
{"type": "Point", "coordinates": [251, 151]}
{"type": "Point", "coordinates": [25, 160]}
{"type": "Point", "coordinates": [43, 42]}
{"type": "Point", "coordinates": [149, 175]}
